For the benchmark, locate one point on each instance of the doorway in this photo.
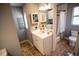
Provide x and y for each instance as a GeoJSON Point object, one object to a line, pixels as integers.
{"type": "Point", "coordinates": [18, 16]}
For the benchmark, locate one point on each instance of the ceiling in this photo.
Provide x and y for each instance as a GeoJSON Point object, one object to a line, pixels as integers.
{"type": "Point", "coordinates": [16, 4]}
{"type": "Point", "coordinates": [21, 4]}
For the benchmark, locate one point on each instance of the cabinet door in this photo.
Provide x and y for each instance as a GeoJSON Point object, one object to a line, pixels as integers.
{"type": "Point", "coordinates": [35, 41]}
{"type": "Point", "coordinates": [42, 17]}
{"type": "Point", "coordinates": [40, 45]}
{"type": "Point", "coordinates": [48, 45]}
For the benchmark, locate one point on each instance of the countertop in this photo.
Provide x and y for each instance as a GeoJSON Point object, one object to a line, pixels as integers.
{"type": "Point", "coordinates": [41, 34]}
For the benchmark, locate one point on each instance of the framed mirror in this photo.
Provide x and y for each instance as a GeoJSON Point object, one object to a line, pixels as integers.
{"type": "Point", "coordinates": [34, 17]}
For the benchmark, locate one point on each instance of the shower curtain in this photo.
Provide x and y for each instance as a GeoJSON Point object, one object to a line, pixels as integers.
{"type": "Point", "coordinates": [62, 22]}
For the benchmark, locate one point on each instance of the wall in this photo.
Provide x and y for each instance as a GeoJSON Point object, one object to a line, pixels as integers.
{"type": "Point", "coordinates": [62, 7]}
{"type": "Point", "coordinates": [76, 50]}
{"type": "Point", "coordinates": [54, 26]}
{"type": "Point", "coordinates": [69, 18]}
{"type": "Point", "coordinates": [28, 9]}
{"type": "Point", "coordinates": [8, 33]}
{"type": "Point", "coordinates": [17, 12]}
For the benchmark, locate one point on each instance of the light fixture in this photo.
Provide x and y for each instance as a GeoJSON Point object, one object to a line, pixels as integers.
{"type": "Point", "coordinates": [45, 7]}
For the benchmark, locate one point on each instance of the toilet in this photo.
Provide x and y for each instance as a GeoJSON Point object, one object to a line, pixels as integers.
{"type": "Point", "coordinates": [73, 38]}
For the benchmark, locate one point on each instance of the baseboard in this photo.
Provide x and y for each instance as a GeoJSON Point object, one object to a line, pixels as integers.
{"type": "Point", "coordinates": [27, 41]}
{"type": "Point", "coordinates": [30, 43]}
{"type": "Point", "coordinates": [23, 41]}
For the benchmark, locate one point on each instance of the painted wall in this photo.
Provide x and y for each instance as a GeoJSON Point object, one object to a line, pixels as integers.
{"type": "Point", "coordinates": [54, 26]}
{"type": "Point", "coordinates": [28, 9]}
{"type": "Point", "coordinates": [76, 50]}
{"type": "Point", "coordinates": [8, 33]}
{"type": "Point", "coordinates": [62, 7]}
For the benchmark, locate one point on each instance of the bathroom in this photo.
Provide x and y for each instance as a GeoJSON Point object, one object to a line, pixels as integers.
{"type": "Point", "coordinates": [38, 29]}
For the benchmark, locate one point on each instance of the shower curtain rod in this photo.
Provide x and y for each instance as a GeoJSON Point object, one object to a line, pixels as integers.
{"type": "Point", "coordinates": [60, 11]}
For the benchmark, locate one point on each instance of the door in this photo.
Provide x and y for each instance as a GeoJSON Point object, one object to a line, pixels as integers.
{"type": "Point", "coordinates": [21, 29]}
{"type": "Point", "coordinates": [19, 22]}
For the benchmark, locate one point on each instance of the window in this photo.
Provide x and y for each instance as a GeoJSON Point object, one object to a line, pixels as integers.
{"type": "Point", "coordinates": [75, 16]}
{"type": "Point", "coordinates": [20, 23]}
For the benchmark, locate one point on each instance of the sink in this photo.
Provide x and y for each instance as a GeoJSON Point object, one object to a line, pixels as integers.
{"type": "Point", "coordinates": [42, 34]}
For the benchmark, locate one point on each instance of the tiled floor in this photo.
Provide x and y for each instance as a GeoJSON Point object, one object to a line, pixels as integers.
{"type": "Point", "coordinates": [61, 49]}
{"type": "Point", "coordinates": [28, 50]}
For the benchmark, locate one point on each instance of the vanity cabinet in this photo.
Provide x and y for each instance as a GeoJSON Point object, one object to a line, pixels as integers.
{"type": "Point", "coordinates": [44, 45]}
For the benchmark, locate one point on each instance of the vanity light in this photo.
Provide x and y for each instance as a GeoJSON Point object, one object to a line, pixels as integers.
{"type": "Point", "coordinates": [45, 7]}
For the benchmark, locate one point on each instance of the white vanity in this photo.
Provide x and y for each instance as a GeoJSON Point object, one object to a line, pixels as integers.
{"type": "Point", "coordinates": [42, 37]}
{"type": "Point", "coordinates": [43, 41]}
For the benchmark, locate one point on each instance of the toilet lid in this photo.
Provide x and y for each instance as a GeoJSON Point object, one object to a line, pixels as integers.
{"type": "Point", "coordinates": [73, 38]}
